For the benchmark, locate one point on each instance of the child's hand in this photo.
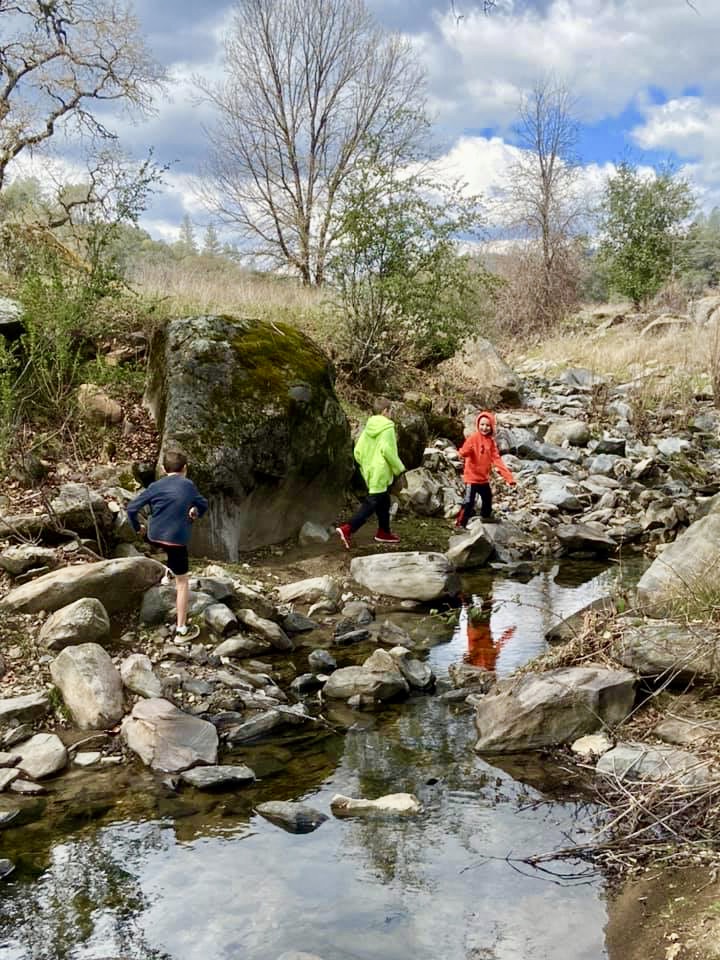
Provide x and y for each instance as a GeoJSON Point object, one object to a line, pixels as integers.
{"type": "Point", "coordinates": [142, 530]}
{"type": "Point", "coordinates": [193, 513]}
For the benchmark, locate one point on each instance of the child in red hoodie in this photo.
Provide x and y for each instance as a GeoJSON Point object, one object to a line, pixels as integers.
{"type": "Point", "coordinates": [481, 454]}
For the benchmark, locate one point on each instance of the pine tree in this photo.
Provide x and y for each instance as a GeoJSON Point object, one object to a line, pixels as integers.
{"type": "Point", "coordinates": [211, 242]}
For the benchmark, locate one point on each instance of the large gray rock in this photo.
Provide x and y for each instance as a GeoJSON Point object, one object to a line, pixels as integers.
{"type": "Point", "coordinates": [540, 710]}
{"type": "Point", "coordinates": [561, 492]}
{"type": "Point", "coordinates": [423, 494]}
{"type": "Point", "coordinates": [664, 648]}
{"type": "Point", "coordinates": [311, 590]}
{"type": "Point", "coordinates": [17, 559]}
{"type": "Point", "coordinates": [470, 548]}
{"type": "Point", "coordinates": [254, 407]}
{"type": "Point", "coordinates": [378, 679]}
{"type": "Point", "coordinates": [25, 708]}
{"type": "Point", "coordinates": [90, 685]}
{"type": "Point", "coordinates": [291, 816]}
{"type": "Point", "coordinates": [118, 584]}
{"type": "Point", "coordinates": [218, 778]}
{"type": "Point", "coordinates": [168, 739]}
{"type": "Point", "coordinates": [480, 368]}
{"type": "Point", "coordinates": [84, 621]}
{"type": "Point", "coordinates": [137, 676]}
{"type": "Point", "coordinates": [41, 756]}
{"type": "Point", "coordinates": [585, 537]}
{"type": "Point", "coordinates": [574, 433]}
{"type": "Point", "coordinates": [409, 576]}
{"type": "Point", "coordinates": [640, 761]}
{"type": "Point", "coordinates": [81, 509]}
{"type": "Point", "coordinates": [266, 629]}
{"type": "Point", "coordinates": [686, 569]}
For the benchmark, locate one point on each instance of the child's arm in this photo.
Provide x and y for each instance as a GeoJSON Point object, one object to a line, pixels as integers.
{"type": "Point", "coordinates": [390, 452]}
{"type": "Point", "coordinates": [502, 468]}
{"type": "Point", "coordinates": [467, 448]}
{"type": "Point", "coordinates": [199, 506]}
{"type": "Point", "coordinates": [135, 506]}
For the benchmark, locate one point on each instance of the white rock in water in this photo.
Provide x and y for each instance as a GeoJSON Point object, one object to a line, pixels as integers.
{"type": "Point", "coordinates": [404, 804]}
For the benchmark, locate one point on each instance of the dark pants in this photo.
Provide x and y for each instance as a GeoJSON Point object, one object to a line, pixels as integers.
{"type": "Point", "coordinates": [378, 503]}
{"type": "Point", "coordinates": [471, 492]}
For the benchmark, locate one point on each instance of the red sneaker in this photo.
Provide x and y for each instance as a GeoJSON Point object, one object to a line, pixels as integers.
{"type": "Point", "coordinates": [460, 518]}
{"type": "Point", "coordinates": [384, 537]}
{"type": "Point", "coordinates": [343, 532]}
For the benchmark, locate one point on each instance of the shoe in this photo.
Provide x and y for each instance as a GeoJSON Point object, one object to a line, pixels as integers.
{"type": "Point", "coordinates": [167, 578]}
{"type": "Point", "coordinates": [343, 532]}
{"type": "Point", "coordinates": [491, 519]}
{"type": "Point", "coordinates": [460, 518]}
{"type": "Point", "coordinates": [384, 537]}
{"type": "Point", "coordinates": [187, 633]}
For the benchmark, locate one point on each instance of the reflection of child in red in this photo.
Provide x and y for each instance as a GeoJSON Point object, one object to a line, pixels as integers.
{"type": "Point", "coordinates": [482, 650]}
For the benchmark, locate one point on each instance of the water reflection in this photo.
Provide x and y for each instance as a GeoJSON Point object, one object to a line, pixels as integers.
{"type": "Point", "coordinates": [201, 877]}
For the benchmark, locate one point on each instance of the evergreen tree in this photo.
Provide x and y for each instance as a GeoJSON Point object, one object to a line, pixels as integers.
{"type": "Point", "coordinates": [186, 245]}
{"type": "Point", "coordinates": [211, 242]}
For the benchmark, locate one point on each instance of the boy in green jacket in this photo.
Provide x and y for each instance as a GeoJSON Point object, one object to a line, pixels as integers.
{"type": "Point", "coordinates": [377, 456]}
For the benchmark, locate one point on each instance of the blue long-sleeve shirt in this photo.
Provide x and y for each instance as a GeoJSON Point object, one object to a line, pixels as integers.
{"type": "Point", "coordinates": [170, 500]}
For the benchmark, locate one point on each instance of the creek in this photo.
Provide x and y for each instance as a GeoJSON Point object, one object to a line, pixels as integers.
{"type": "Point", "coordinates": [124, 867]}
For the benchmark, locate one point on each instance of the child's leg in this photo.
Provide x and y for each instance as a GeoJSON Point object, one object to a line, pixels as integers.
{"type": "Point", "coordinates": [485, 492]}
{"type": "Point", "coordinates": [182, 596]}
{"type": "Point", "coordinates": [382, 509]}
{"type": "Point", "coordinates": [468, 506]}
{"type": "Point", "coordinates": [364, 511]}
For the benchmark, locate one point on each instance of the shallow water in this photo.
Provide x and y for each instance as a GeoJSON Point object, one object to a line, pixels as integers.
{"type": "Point", "coordinates": [201, 877]}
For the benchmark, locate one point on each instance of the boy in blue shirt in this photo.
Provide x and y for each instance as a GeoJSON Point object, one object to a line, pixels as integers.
{"type": "Point", "coordinates": [175, 503]}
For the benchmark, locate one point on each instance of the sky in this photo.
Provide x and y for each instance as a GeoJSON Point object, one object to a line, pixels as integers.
{"type": "Point", "coordinates": [645, 77]}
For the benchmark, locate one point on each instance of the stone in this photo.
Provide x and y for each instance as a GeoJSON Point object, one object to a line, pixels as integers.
{"type": "Point", "coordinates": [291, 816]}
{"type": "Point", "coordinates": [641, 761]}
{"type": "Point", "coordinates": [311, 590]}
{"type": "Point", "coordinates": [408, 576]}
{"type": "Point", "coordinates": [561, 492]}
{"type": "Point", "coordinates": [90, 685]}
{"type": "Point", "coordinates": [320, 661]}
{"type": "Point", "coordinates": [242, 647]}
{"type": "Point", "coordinates": [313, 533]}
{"type": "Point", "coordinates": [378, 679]}
{"type": "Point", "coordinates": [7, 775]}
{"type": "Point", "coordinates": [267, 629]}
{"type": "Point", "coordinates": [253, 404]}
{"type": "Point", "coordinates": [305, 684]}
{"type": "Point", "coordinates": [686, 731]}
{"type": "Point", "coordinates": [592, 745]}
{"type": "Point", "coordinates": [25, 708]}
{"type": "Point", "coordinates": [422, 494]}
{"type": "Point", "coordinates": [479, 367]}
{"type": "Point", "coordinates": [95, 405]}
{"type": "Point", "coordinates": [464, 675]}
{"type": "Point", "coordinates": [16, 560]}
{"type": "Point", "coordinates": [117, 584]}
{"type": "Point", "coordinates": [220, 619]}
{"type": "Point", "coordinates": [574, 433]}
{"type": "Point", "coordinates": [221, 777]}
{"type": "Point", "coordinates": [138, 677]}
{"type": "Point", "coordinates": [6, 868]}
{"type": "Point", "coordinates": [297, 623]}
{"type": "Point", "coordinates": [601, 608]}
{"type": "Point", "coordinates": [470, 548]}
{"type": "Point", "coordinates": [418, 675]}
{"type": "Point", "coordinates": [399, 804]}
{"type": "Point", "coordinates": [87, 758]}
{"type": "Point", "coordinates": [558, 706]}
{"type": "Point", "coordinates": [668, 649]}
{"type": "Point", "coordinates": [168, 739]}
{"type": "Point", "coordinates": [584, 537]}
{"type": "Point", "coordinates": [81, 509]}
{"type": "Point", "coordinates": [42, 756]}
{"type": "Point", "coordinates": [84, 621]}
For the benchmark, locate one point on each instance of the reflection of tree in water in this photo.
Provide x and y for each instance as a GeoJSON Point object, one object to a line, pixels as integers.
{"type": "Point", "coordinates": [90, 895]}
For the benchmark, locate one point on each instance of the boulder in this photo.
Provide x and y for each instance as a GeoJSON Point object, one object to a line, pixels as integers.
{"type": "Point", "coordinates": [584, 537]}
{"type": "Point", "coordinates": [84, 621]}
{"type": "Point", "coordinates": [408, 576]}
{"type": "Point", "coordinates": [573, 433]}
{"type": "Point", "coordinates": [90, 685]}
{"type": "Point", "coordinates": [562, 492]}
{"type": "Point", "coordinates": [25, 708]}
{"type": "Point", "coordinates": [378, 679]}
{"type": "Point", "coordinates": [223, 777]}
{"type": "Point", "coordinates": [641, 761]}
{"type": "Point", "coordinates": [79, 508]}
{"type": "Point", "coordinates": [96, 405]}
{"type": "Point", "coordinates": [559, 706]}
{"type": "Point", "coordinates": [18, 559]}
{"type": "Point", "coordinates": [417, 674]}
{"type": "Point", "coordinates": [41, 756]}
{"type": "Point", "coordinates": [253, 405]}
{"type": "Point", "coordinates": [117, 584]}
{"type": "Point", "coordinates": [479, 367]}
{"type": "Point", "coordinates": [165, 738]}
{"type": "Point", "coordinates": [422, 494]}
{"type": "Point", "coordinates": [470, 548]}
{"type": "Point", "coordinates": [311, 590]}
{"type": "Point", "coordinates": [266, 629]}
{"type": "Point", "coordinates": [665, 648]}
{"type": "Point", "coordinates": [137, 676]}
{"type": "Point", "coordinates": [220, 619]}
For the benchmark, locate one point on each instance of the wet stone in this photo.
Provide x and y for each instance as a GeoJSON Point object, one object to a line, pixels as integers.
{"type": "Point", "coordinates": [321, 660]}
{"type": "Point", "coordinates": [6, 868]}
{"type": "Point", "coordinates": [7, 776]}
{"type": "Point", "coordinates": [7, 817]}
{"type": "Point", "coordinates": [306, 683]}
{"type": "Point", "coordinates": [293, 817]}
{"type": "Point", "coordinates": [218, 778]}
{"type": "Point", "coordinates": [297, 623]}
{"type": "Point", "coordinates": [27, 788]}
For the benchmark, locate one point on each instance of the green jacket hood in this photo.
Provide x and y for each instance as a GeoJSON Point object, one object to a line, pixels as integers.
{"type": "Point", "coordinates": [377, 424]}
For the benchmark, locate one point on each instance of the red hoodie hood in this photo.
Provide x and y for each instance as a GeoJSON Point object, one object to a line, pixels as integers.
{"type": "Point", "coordinates": [491, 418]}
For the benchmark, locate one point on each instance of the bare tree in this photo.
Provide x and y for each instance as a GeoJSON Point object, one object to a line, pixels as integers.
{"type": "Point", "coordinates": [310, 85]}
{"type": "Point", "coordinates": [59, 61]}
{"type": "Point", "coordinates": [545, 202]}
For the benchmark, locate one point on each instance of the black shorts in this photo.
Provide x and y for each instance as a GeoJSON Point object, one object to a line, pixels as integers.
{"type": "Point", "coordinates": [177, 557]}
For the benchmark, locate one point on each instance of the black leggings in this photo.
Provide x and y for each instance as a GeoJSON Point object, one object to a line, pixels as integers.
{"type": "Point", "coordinates": [471, 492]}
{"type": "Point", "coordinates": [378, 503]}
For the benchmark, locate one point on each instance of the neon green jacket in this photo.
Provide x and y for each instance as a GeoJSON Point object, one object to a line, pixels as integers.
{"type": "Point", "coordinates": [377, 455]}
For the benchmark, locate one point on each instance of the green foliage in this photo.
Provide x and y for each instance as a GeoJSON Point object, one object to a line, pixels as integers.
{"type": "Point", "coordinates": [403, 288]}
{"type": "Point", "coordinates": [701, 253]}
{"type": "Point", "coordinates": [641, 226]}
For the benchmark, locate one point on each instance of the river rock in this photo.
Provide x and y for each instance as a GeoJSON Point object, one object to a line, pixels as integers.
{"type": "Point", "coordinates": [574, 433]}
{"type": "Point", "coordinates": [422, 494]}
{"type": "Point", "coordinates": [137, 676]}
{"type": "Point", "coordinates": [311, 591]}
{"type": "Point", "coordinates": [479, 367]}
{"type": "Point", "coordinates": [583, 537]}
{"type": "Point", "coordinates": [220, 619]}
{"type": "Point", "coordinates": [6, 868]}
{"type": "Point", "coordinates": [570, 626]}
{"type": "Point", "coordinates": [165, 738]}
{"type": "Point", "coordinates": [561, 492]}
{"type": "Point", "coordinates": [417, 674]}
{"type": "Point", "coordinates": [267, 629]}
{"type": "Point", "coordinates": [464, 675]}
{"type": "Point", "coordinates": [559, 706]}
{"type": "Point", "coordinates": [592, 745]}
{"type": "Point", "coordinates": [321, 661]}
{"type": "Point", "coordinates": [408, 576]}
{"type": "Point", "coordinates": [239, 646]}
{"type": "Point", "coordinates": [7, 775]}
{"type": "Point", "coordinates": [254, 406]}
{"type": "Point", "coordinates": [378, 679]}
{"type": "Point", "coordinates": [470, 548]}
{"type": "Point", "coordinates": [666, 648]}
{"type": "Point", "coordinates": [25, 708]}
{"type": "Point", "coordinates": [84, 621]}
{"type": "Point", "coordinates": [402, 804]}
{"type": "Point", "coordinates": [42, 756]}
{"type": "Point", "coordinates": [291, 816]}
{"type": "Point", "coordinates": [117, 584]}
{"type": "Point", "coordinates": [90, 685]}
{"type": "Point", "coordinates": [641, 761]}
{"type": "Point", "coordinates": [218, 778]}
{"type": "Point", "coordinates": [687, 568]}
{"type": "Point", "coordinates": [18, 559]}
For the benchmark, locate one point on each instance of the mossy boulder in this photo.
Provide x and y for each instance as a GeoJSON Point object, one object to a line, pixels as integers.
{"type": "Point", "coordinates": [253, 406]}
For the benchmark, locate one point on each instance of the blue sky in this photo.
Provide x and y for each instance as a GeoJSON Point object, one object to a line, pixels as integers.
{"type": "Point", "coordinates": [645, 75]}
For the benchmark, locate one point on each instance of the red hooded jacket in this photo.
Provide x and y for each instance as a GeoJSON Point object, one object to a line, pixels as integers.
{"type": "Point", "coordinates": [481, 455]}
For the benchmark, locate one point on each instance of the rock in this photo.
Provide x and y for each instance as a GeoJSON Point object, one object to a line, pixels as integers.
{"type": "Point", "coordinates": [560, 491]}
{"type": "Point", "coordinates": [378, 679]}
{"type": "Point", "coordinates": [667, 649]}
{"type": "Point", "coordinates": [298, 955]}
{"type": "Point", "coordinates": [95, 405]}
{"type": "Point", "coordinates": [84, 621]}
{"type": "Point", "coordinates": [253, 405]}
{"type": "Point", "coordinates": [583, 537]}
{"type": "Point", "coordinates": [11, 321]}
{"type": "Point", "coordinates": [242, 647]}
{"type": "Point", "coordinates": [7, 817]}
{"type": "Point", "coordinates": [569, 627]}
{"type": "Point", "coordinates": [313, 533]}
{"type": "Point", "coordinates": [704, 310]}
{"type": "Point", "coordinates": [266, 629]}
{"type": "Point", "coordinates": [220, 619]}
{"type": "Point", "coordinates": [90, 685]}
{"type": "Point", "coordinates": [550, 708]}
{"type": "Point", "coordinates": [686, 731]}
{"type": "Point", "coordinates": [320, 661]}
{"type": "Point", "coordinates": [7, 775]}
{"type": "Point", "coordinates": [117, 584]}
{"type": "Point", "coordinates": [137, 676]}
{"type": "Point", "coordinates": [6, 868]}
{"type": "Point", "coordinates": [479, 366]}
{"type": "Point", "coordinates": [409, 576]}
{"type": "Point", "coordinates": [592, 745]}
{"type": "Point", "coordinates": [470, 548]}
{"type": "Point", "coordinates": [87, 758]}
{"type": "Point", "coordinates": [672, 446]}
{"type": "Point", "coordinates": [402, 804]}
{"type": "Point", "coordinates": [422, 494]}
{"type": "Point", "coordinates": [574, 433]}
{"type": "Point", "coordinates": [218, 778]}
{"type": "Point", "coordinates": [464, 675]}
{"type": "Point", "coordinates": [18, 559]}
{"type": "Point", "coordinates": [265, 722]}
{"type": "Point", "coordinates": [418, 675]}
{"type": "Point", "coordinates": [291, 816]}
{"type": "Point", "coordinates": [297, 623]}
{"type": "Point", "coordinates": [25, 708]}
{"type": "Point", "coordinates": [310, 591]}
{"type": "Point", "coordinates": [305, 684]}
{"type": "Point", "coordinates": [165, 738]}
{"type": "Point", "coordinates": [687, 568]}
{"type": "Point", "coordinates": [81, 509]}
{"type": "Point", "coordinates": [581, 379]}
{"type": "Point", "coordinates": [640, 761]}
{"type": "Point", "coordinates": [42, 756]}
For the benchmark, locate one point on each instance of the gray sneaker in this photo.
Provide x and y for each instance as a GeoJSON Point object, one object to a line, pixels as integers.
{"type": "Point", "coordinates": [187, 633]}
